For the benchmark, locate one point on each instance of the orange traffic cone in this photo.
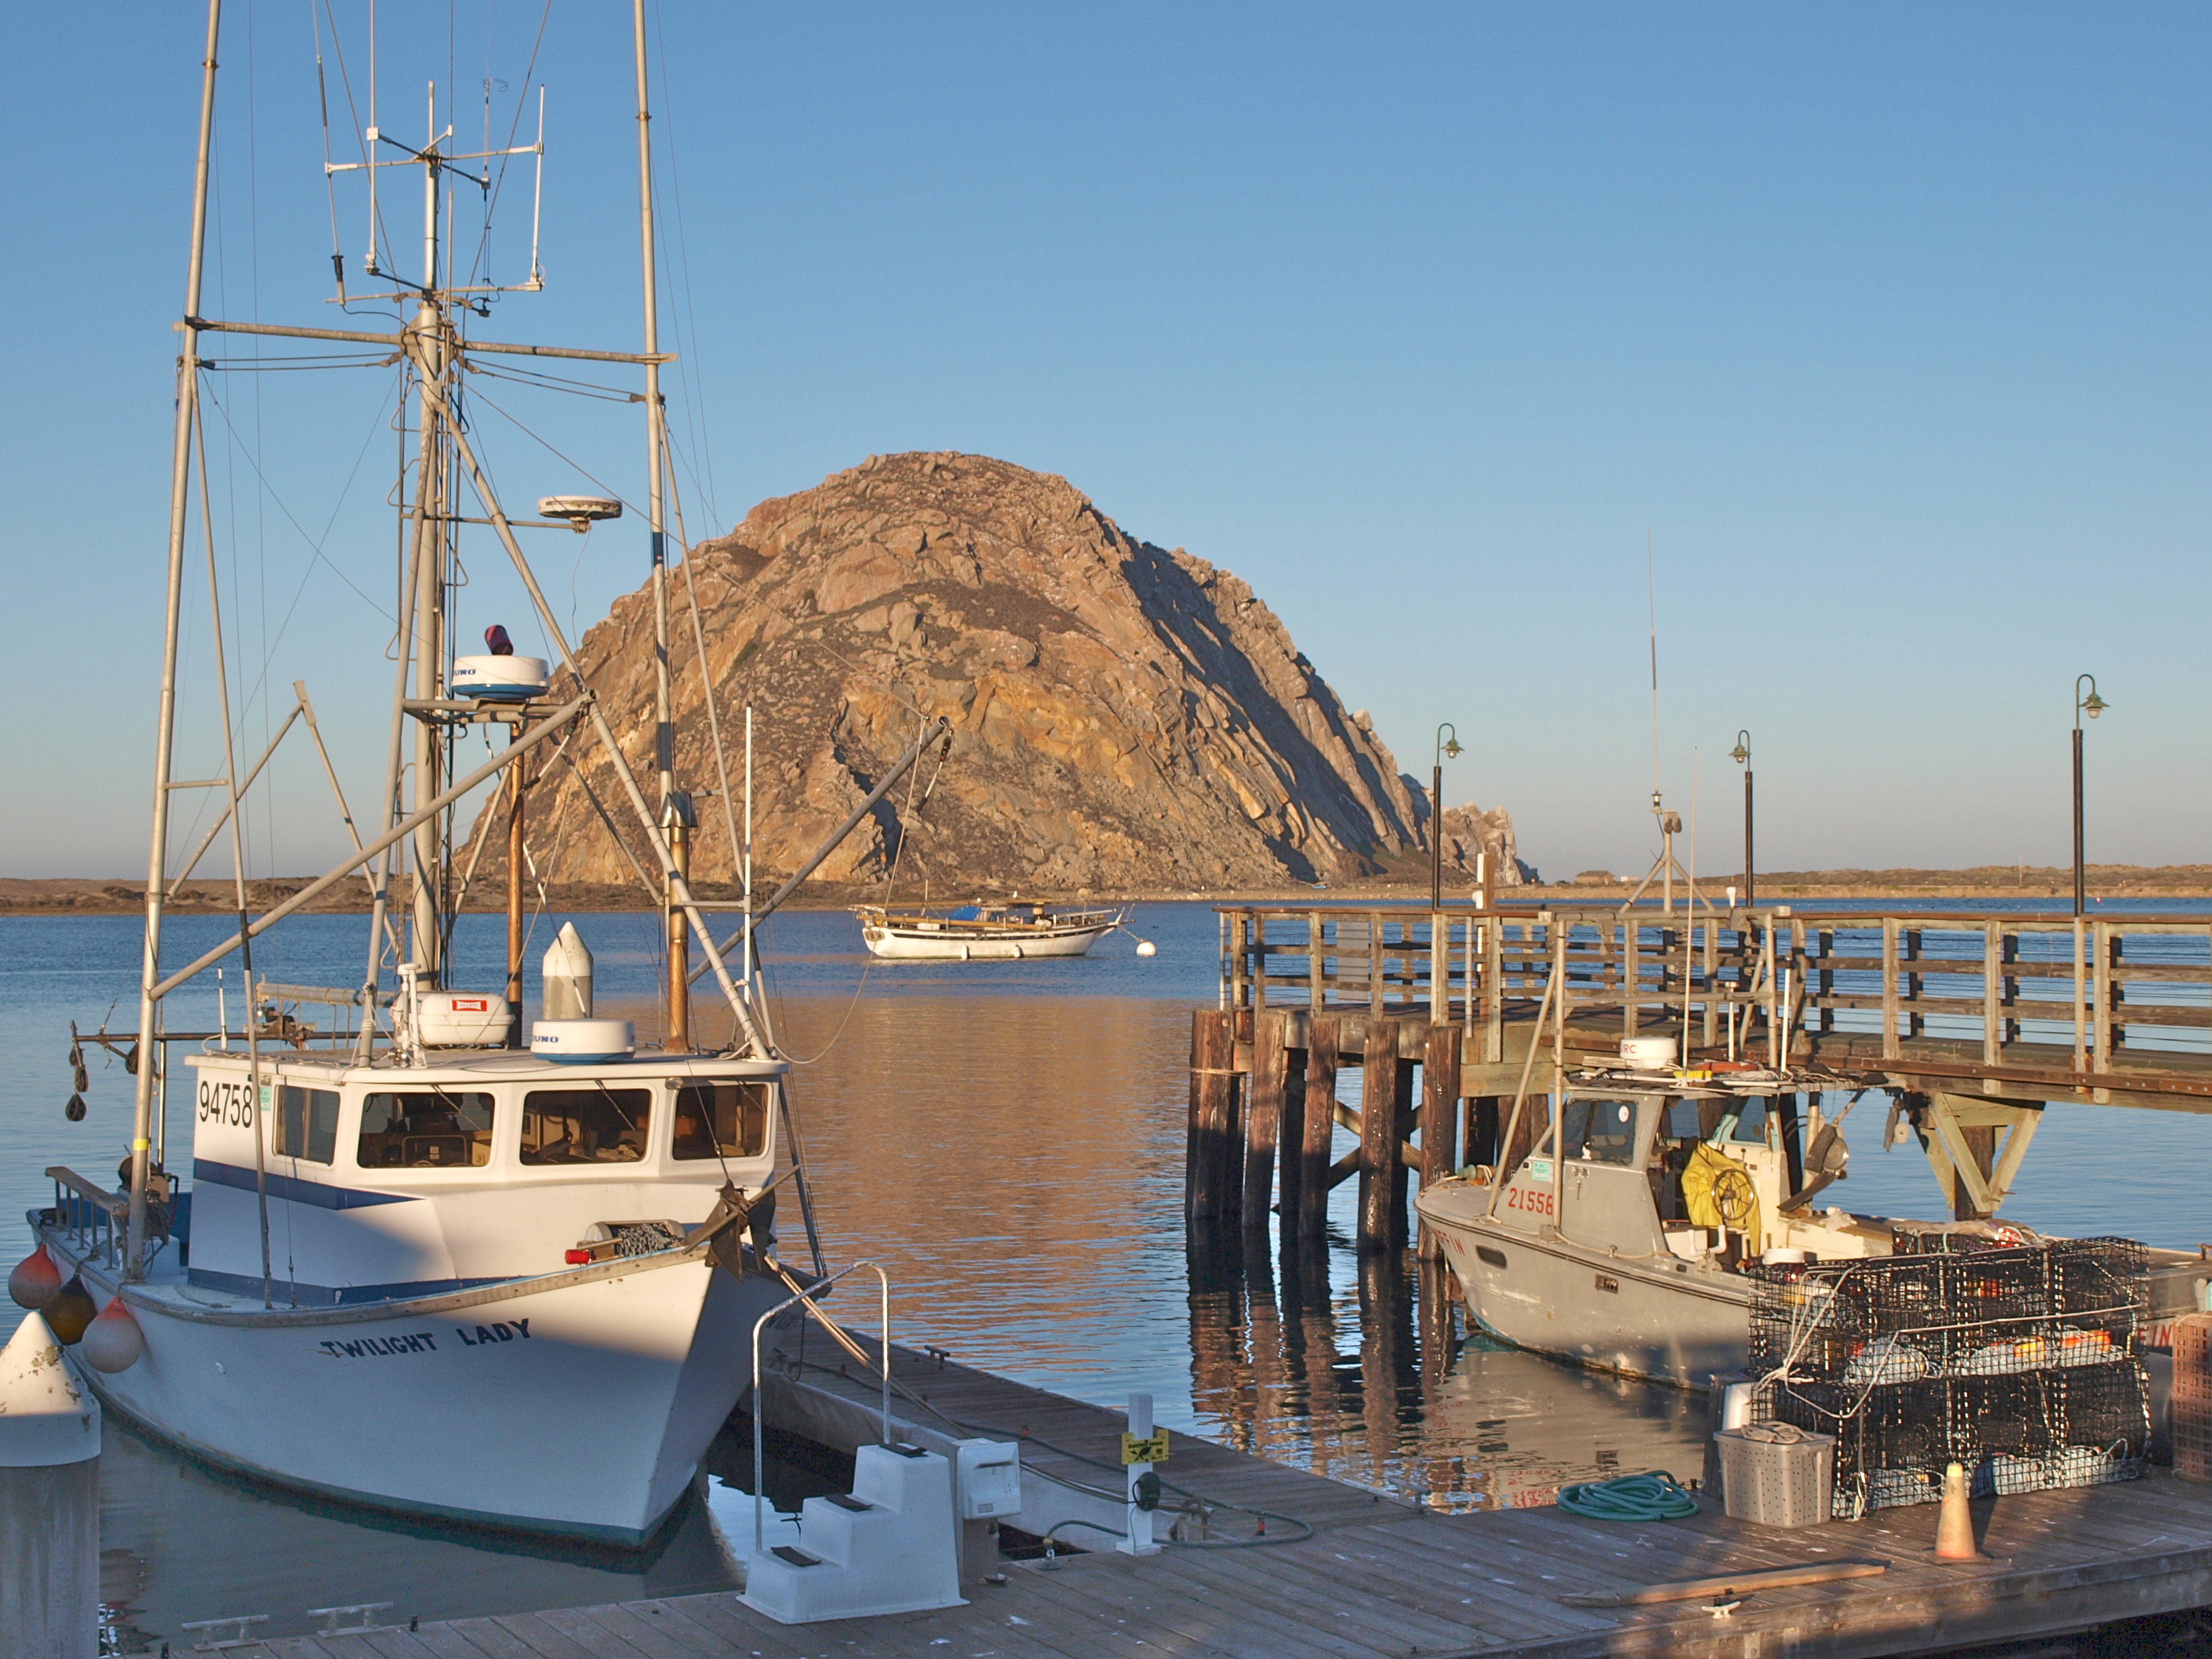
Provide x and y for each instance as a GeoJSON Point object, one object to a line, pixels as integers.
{"type": "Point", "coordinates": [1954, 1527]}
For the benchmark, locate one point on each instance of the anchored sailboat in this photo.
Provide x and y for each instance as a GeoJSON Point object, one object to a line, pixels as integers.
{"type": "Point", "coordinates": [519, 1270]}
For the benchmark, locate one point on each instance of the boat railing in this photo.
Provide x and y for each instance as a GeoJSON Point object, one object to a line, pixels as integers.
{"type": "Point", "coordinates": [95, 1217]}
{"type": "Point", "coordinates": [809, 1297]}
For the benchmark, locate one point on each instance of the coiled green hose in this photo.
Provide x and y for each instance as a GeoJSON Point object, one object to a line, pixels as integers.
{"type": "Point", "coordinates": [1630, 1497]}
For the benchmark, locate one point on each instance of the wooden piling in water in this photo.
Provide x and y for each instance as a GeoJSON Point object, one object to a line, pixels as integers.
{"type": "Point", "coordinates": [1291, 1137]}
{"type": "Point", "coordinates": [1210, 1194]}
{"type": "Point", "coordinates": [1263, 1116]}
{"type": "Point", "coordinates": [1382, 1165]}
{"type": "Point", "coordinates": [1485, 1122]}
{"type": "Point", "coordinates": [1316, 1129]}
{"type": "Point", "coordinates": [1439, 1126]}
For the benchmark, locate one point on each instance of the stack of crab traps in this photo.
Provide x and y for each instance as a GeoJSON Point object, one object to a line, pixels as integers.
{"type": "Point", "coordinates": [2017, 1363]}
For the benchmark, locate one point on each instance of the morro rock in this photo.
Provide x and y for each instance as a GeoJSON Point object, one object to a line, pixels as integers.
{"type": "Point", "coordinates": [1123, 716]}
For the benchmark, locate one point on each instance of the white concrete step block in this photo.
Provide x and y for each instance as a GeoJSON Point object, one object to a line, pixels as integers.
{"type": "Point", "coordinates": [896, 1555]}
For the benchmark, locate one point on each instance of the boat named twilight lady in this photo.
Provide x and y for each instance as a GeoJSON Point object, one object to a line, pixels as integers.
{"type": "Point", "coordinates": [419, 1264]}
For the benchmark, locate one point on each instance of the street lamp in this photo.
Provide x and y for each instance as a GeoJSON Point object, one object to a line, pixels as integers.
{"type": "Point", "coordinates": [1741, 756]}
{"type": "Point", "coordinates": [2092, 705]}
{"type": "Point", "coordinates": [1444, 746]}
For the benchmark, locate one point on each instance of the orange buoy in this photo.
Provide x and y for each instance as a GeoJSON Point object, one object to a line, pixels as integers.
{"type": "Point", "coordinates": [36, 1280]}
{"type": "Point", "coordinates": [112, 1342]}
{"type": "Point", "coordinates": [70, 1311]}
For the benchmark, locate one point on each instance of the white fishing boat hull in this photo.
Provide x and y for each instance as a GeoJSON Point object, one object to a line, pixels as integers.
{"type": "Point", "coordinates": [579, 1405]}
{"type": "Point", "coordinates": [950, 944]}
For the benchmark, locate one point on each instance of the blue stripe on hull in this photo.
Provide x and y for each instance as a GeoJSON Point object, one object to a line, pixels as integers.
{"type": "Point", "coordinates": [321, 1195]}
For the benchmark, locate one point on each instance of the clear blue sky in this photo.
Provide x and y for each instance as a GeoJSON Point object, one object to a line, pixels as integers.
{"type": "Point", "coordinates": [1888, 322]}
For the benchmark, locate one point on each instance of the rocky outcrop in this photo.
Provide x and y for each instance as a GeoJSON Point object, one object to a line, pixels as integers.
{"type": "Point", "coordinates": [1123, 715]}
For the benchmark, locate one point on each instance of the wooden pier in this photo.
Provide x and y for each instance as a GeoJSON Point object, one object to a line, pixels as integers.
{"type": "Point", "coordinates": [1378, 1578]}
{"type": "Point", "coordinates": [1976, 1022]}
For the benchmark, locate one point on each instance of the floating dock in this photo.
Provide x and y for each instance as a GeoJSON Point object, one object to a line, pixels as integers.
{"type": "Point", "coordinates": [1378, 1577]}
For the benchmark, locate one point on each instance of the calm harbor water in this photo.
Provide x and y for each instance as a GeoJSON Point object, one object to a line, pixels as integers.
{"type": "Point", "coordinates": [1007, 1138]}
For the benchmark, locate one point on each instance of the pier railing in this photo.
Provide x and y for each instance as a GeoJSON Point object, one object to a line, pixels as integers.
{"type": "Point", "coordinates": [2042, 990]}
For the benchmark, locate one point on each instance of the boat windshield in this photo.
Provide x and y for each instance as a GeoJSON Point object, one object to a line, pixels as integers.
{"type": "Point", "coordinates": [726, 1117]}
{"type": "Point", "coordinates": [426, 1129]}
{"type": "Point", "coordinates": [585, 1126]}
{"type": "Point", "coordinates": [1599, 1131]}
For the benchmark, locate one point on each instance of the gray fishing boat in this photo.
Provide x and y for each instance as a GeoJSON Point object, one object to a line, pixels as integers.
{"type": "Point", "coordinates": [1624, 1240]}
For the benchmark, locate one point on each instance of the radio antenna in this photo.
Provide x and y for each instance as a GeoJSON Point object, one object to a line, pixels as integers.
{"type": "Point", "coordinates": [1652, 587]}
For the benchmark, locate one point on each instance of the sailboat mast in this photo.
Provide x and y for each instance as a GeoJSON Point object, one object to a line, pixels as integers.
{"type": "Point", "coordinates": [149, 1057]}
{"type": "Point", "coordinates": [675, 810]}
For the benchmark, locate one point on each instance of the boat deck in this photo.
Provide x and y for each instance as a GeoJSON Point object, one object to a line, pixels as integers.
{"type": "Point", "coordinates": [1380, 1578]}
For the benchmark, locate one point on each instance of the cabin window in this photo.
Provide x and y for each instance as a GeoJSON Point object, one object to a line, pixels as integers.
{"type": "Point", "coordinates": [308, 1124]}
{"type": "Point", "coordinates": [425, 1129]}
{"type": "Point", "coordinates": [726, 1118]}
{"type": "Point", "coordinates": [585, 1126]}
{"type": "Point", "coordinates": [1599, 1131]}
{"type": "Point", "coordinates": [1751, 1126]}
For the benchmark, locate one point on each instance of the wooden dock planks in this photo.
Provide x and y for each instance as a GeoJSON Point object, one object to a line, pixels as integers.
{"type": "Point", "coordinates": [1379, 1579]}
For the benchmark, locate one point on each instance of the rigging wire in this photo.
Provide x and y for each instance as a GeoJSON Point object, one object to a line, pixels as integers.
{"type": "Point", "coordinates": [314, 542]}
{"type": "Point", "coordinates": [546, 444]}
{"type": "Point", "coordinates": [694, 409]}
{"type": "Point", "coordinates": [555, 383]}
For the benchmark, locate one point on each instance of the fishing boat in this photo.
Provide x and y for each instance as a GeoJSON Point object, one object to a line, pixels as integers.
{"type": "Point", "coordinates": [1628, 1237]}
{"type": "Point", "coordinates": [986, 930]}
{"type": "Point", "coordinates": [436, 1259]}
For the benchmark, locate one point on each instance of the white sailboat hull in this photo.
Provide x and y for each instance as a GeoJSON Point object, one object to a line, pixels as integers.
{"type": "Point", "coordinates": [949, 944]}
{"type": "Point", "coordinates": [580, 1409]}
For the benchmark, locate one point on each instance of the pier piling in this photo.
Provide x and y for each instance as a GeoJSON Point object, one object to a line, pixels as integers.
{"type": "Point", "coordinates": [1215, 1175]}
{"type": "Point", "coordinates": [1439, 1113]}
{"type": "Point", "coordinates": [1316, 1129]}
{"type": "Point", "coordinates": [1385, 1092]}
{"type": "Point", "coordinates": [1263, 1117]}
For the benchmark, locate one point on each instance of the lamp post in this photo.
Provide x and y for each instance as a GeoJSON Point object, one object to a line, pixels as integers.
{"type": "Point", "coordinates": [1444, 746]}
{"type": "Point", "coordinates": [2092, 705]}
{"type": "Point", "coordinates": [1741, 756]}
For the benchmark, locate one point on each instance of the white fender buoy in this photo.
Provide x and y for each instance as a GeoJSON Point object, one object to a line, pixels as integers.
{"type": "Point", "coordinates": [36, 1280]}
{"type": "Point", "coordinates": [1147, 948]}
{"type": "Point", "coordinates": [112, 1342]}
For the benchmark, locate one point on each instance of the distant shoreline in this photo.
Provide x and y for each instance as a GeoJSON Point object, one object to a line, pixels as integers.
{"type": "Point", "coordinates": [88, 896]}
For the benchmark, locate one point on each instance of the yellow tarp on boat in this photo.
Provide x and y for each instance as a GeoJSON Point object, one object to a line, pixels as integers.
{"type": "Point", "coordinates": [1716, 1192]}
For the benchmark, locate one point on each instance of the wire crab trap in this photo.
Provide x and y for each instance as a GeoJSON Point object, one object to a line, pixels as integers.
{"type": "Point", "coordinates": [1981, 1313]}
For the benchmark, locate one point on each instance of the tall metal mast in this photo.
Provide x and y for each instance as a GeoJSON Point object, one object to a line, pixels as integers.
{"type": "Point", "coordinates": [429, 351]}
{"type": "Point", "coordinates": [676, 814]}
{"type": "Point", "coordinates": [157, 859]}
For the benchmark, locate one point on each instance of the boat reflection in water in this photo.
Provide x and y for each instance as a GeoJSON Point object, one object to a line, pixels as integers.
{"type": "Point", "coordinates": [1370, 1379]}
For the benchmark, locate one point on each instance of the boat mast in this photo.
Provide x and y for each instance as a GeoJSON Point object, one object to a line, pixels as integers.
{"type": "Point", "coordinates": [157, 858]}
{"type": "Point", "coordinates": [676, 812]}
{"type": "Point", "coordinates": [428, 342]}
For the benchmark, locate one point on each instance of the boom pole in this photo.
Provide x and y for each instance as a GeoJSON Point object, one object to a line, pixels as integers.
{"type": "Point", "coordinates": [157, 858]}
